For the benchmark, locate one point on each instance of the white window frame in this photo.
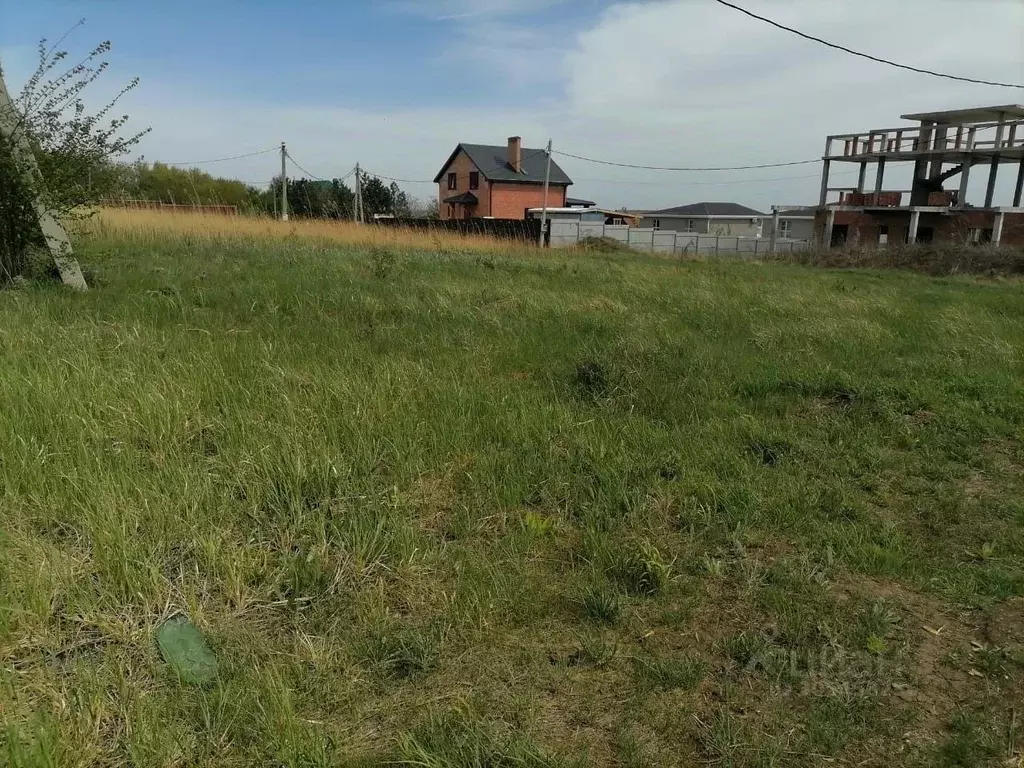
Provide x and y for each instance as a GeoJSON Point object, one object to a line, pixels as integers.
{"type": "Point", "coordinates": [786, 229]}
{"type": "Point", "coordinates": [656, 223]}
{"type": "Point", "coordinates": [690, 226]}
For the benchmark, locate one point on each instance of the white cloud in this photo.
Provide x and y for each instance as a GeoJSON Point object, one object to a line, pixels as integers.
{"type": "Point", "coordinates": [683, 83]}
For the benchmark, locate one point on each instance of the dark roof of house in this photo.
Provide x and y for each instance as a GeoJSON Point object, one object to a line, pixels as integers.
{"type": "Point", "coordinates": [579, 202]}
{"type": "Point", "coordinates": [492, 162]}
{"type": "Point", "coordinates": [697, 210]}
{"type": "Point", "coordinates": [466, 198]}
{"type": "Point", "coordinates": [807, 212]}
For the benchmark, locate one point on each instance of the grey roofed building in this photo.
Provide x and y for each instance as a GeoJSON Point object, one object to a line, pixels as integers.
{"type": "Point", "coordinates": [729, 219]}
{"type": "Point", "coordinates": [700, 210]}
{"type": "Point", "coordinates": [798, 212]}
{"type": "Point", "coordinates": [796, 222]}
{"type": "Point", "coordinates": [492, 160]}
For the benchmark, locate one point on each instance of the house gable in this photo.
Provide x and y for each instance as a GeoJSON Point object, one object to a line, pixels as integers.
{"type": "Point", "coordinates": [491, 162]}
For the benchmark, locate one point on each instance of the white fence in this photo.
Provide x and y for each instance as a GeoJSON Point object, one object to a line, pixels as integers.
{"type": "Point", "coordinates": [568, 233]}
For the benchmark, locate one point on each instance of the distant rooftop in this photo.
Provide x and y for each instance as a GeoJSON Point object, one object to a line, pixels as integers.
{"type": "Point", "coordinates": [797, 211]}
{"type": "Point", "coordinates": [698, 210]}
{"type": "Point", "coordinates": [971, 115]}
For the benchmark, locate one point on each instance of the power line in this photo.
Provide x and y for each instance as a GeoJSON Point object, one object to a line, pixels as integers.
{"type": "Point", "coordinates": [392, 178]}
{"type": "Point", "coordinates": [222, 159]}
{"type": "Point", "coordinates": [865, 55]}
{"type": "Point", "coordinates": [311, 175]}
{"type": "Point", "coordinates": [668, 168]}
{"type": "Point", "coordinates": [714, 183]}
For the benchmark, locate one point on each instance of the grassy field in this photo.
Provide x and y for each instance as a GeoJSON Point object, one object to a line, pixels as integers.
{"type": "Point", "coordinates": [437, 506]}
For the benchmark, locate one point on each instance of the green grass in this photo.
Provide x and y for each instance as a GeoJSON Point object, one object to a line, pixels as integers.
{"type": "Point", "coordinates": [451, 509]}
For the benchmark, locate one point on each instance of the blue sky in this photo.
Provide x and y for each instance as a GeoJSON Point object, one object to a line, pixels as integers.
{"type": "Point", "coordinates": [365, 53]}
{"type": "Point", "coordinates": [395, 84]}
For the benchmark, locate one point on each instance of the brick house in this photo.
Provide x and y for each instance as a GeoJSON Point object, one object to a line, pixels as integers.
{"type": "Point", "coordinates": [501, 182]}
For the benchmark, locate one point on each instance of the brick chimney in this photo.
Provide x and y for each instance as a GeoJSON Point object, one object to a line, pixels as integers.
{"type": "Point", "coordinates": [515, 153]}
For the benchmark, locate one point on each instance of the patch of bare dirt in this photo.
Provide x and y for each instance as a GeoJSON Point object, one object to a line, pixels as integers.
{"type": "Point", "coordinates": [1004, 624]}
{"type": "Point", "coordinates": [945, 668]}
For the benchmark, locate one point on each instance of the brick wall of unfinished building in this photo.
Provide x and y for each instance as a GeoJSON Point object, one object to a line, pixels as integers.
{"type": "Point", "coordinates": [953, 227]}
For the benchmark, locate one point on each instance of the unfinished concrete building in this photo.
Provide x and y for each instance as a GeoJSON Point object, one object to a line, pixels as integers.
{"type": "Point", "coordinates": [945, 147]}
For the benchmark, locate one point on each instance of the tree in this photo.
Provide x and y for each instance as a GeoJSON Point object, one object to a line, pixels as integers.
{"type": "Point", "coordinates": [399, 201]}
{"type": "Point", "coordinates": [381, 199]}
{"type": "Point", "coordinates": [167, 184]}
{"type": "Point", "coordinates": [70, 147]}
{"type": "Point", "coordinates": [376, 196]}
{"type": "Point", "coordinates": [308, 198]}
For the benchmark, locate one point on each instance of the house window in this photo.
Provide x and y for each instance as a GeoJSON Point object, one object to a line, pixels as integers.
{"type": "Point", "coordinates": [785, 229]}
{"type": "Point", "coordinates": [474, 180]}
{"type": "Point", "coordinates": [657, 223]}
{"type": "Point", "coordinates": [980, 236]}
{"type": "Point", "coordinates": [690, 226]}
{"type": "Point", "coordinates": [453, 181]}
{"type": "Point", "coordinates": [883, 235]}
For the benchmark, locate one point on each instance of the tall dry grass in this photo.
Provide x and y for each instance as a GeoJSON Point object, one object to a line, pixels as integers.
{"type": "Point", "coordinates": [129, 224]}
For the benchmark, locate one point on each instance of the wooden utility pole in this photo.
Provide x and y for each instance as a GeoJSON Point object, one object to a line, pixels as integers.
{"type": "Point", "coordinates": [284, 183]}
{"type": "Point", "coordinates": [57, 240]}
{"type": "Point", "coordinates": [544, 206]}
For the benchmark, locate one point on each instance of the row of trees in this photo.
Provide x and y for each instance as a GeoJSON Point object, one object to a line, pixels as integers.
{"type": "Point", "coordinates": [307, 198]}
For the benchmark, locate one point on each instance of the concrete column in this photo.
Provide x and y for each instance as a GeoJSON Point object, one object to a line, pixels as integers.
{"type": "Point", "coordinates": [825, 164]}
{"type": "Point", "coordinates": [919, 190]}
{"type": "Point", "coordinates": [863, 174]}
{"type": "Point", "coordinates": [997, 228]}
{"type": "Point", "coordinates": [990, 190]}
{"type": "Point", "coordinates": [915, 219]}
{"type": "Point", "coordinates": [830, 222]}
{"type": "Point", "coordinates": [1019, 190]}
{"type": "Point", "coordinates": [993, 171]}
{"type": "Point", "coordinates": [880, 175]}
{"type": "Point", "coordinates": [940, 144]}
{"type": "Point", "coordinates": [965, 175]}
